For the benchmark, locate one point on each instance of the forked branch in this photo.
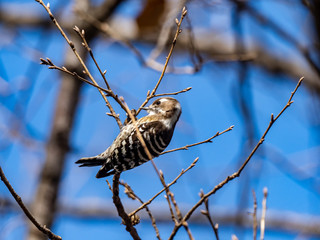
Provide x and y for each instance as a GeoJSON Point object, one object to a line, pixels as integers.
{"type": "Point", "coordinates": [81, 61]}
{"type": "Point", "coordinates": [178, 31]}
{"type": "Point", "coordinates": [237, 173]}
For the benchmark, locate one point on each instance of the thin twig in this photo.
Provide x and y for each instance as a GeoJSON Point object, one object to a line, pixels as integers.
{"type": "Point", "coordinates": [185, 224]}
{"type": "Point", "coordinates": [263, 214]}
{"type": "Point", "coordinates": [18, 199]}
{"type": "Point", "coordinates": [174, 203]}
{"type": "Point", "coordinates": [207, 214]}
{"type": "Point", "coordinates": [237, 173]}
{"type": "Point", "coordinates": [117, 202]}
{"type": "Point", "coordinates": [109, 185]}
{"type": "Point", "coordinates": [105, 28]}
{"type": "Point", "coordinates": [198, 143]}
{"type": "Point", "coordinates": [51, 65]}
{"type": "Point", "coordinates": [174, 93]}
{"type": "Point", "coordinates": [81, 33]}
{"type": "Point", "coordinates": [131, 194]}
{"type": "Point", "coordinates": [170, 184]}
{"type": "Point", "coordinates": [173, 217]}
{"type": "Point", "coordinates": [178, 31]}
{"type": "Point", "coordinates": [86, 70]}
{"type": "Point", "coordinates": [254, 215]}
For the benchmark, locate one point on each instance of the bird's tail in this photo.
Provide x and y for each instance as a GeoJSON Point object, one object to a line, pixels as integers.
{"type": "Point", "coordinates": [90, 161]}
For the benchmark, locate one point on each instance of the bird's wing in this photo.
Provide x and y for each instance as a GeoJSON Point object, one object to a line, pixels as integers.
{"type": "Point", "coordinates": [127, 152]}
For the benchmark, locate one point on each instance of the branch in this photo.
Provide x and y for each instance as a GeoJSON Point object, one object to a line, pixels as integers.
{"type": "Point", "coordinates": [173, 182]}
{"type": "Point", "coordinates": [18, 199]}
{"type": "Point", "coordinates": [198, 143]}
{"type": "Point", "coordinates": [86, 70]}
{"type": "Point", "coordinates": [81, 33]}
{"type": "Point", "coordinates": [207, 214]}
{"type": "Point", "coordinates": [237, 173]}
{"type": "Point", "coordinates": [254, 215]}
{"type": "Point", "coordinates": [117, 202]}
{"type": "Point", "coordinates": [174, 93]}
{"type": "Point", "coordinates": [130, 193]}
{"type": "Point", "coordinates": [51, 65]}
{"type": "Point", "coordinates": [108, 92]}
{"type": "Point", "coordinates": [178, 31]}
{"type": "Point", "coordinates": [263, 215]}
{"type": "Point", "coordinates": [184, 224]}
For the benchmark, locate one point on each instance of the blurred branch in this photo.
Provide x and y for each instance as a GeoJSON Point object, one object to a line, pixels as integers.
{"type": "Point", "coordinates": [234, 237]}
{"type": "Point", "coordinates": [237, 173]}
{"type": "Point", "coordinates": [217, 50]}
{"type": "Point", "coordinates": [171, 10]}
{"type": "Point", "coordinates": [18, 199]}
{"type": "Point", "coordinates": [282, 33]}
{"type": "Point", "coordinates": [292, 222]}
{"type": "Point", "coordinates": [263, 216]}
{"type": "Point", "coordinates": [22, 18]}
{"type": "Point", "coordinates": [254, 215]}
{"type": "Point", "coordinates": [105, 28]}
{"type": "Point", "coordinates": [304, 177]}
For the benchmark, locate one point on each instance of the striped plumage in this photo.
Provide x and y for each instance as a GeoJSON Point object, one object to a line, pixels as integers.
{"type": "Point", "coordinates": [126, 151]}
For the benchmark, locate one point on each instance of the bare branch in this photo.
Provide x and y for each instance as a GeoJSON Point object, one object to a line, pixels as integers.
{"type": "Point", "coordinates": [86, 70]}
{"type": "Point", "coordinates": [207, 214]}
{"type": "Point", "coordinates": [109, 185]}
{"type": "Point", "coordinates": [173, 217]}
{"type": "Point", "coordinates": [18, 199]}
{"type": "Point", "coordinates": [174, 93]}
{"type": "Point", "coordinates": [254, 215]}
{"type": "Point", "coordinates": [170, 184]}
{"type": "Point", "coordinates": [237, 173]}
{"type": "Point", "coordinates": [51, 65]}
{"type": "Point", "coordinates": [178, 31]}
{"type": "Point", "coordinates": [117, 202]}
{"type": "Point", "coordinates": [198, 143]}
{"type": "Point", "coordinates": [81, 33]}
{"type": "Point", "coordinates": [263, 215]}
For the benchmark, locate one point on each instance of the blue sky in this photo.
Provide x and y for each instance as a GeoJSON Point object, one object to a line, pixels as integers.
{"type": "Point", "coordinates": [209, 107]}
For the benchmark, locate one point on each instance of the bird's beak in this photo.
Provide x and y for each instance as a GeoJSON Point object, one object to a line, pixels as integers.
{"type": "Point", "coordinates": [145, 108]}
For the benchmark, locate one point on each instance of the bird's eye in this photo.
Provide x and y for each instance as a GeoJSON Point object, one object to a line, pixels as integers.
{"type": "Point", "coordinates": [157, 102]}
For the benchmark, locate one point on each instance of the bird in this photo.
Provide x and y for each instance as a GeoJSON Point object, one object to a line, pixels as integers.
{"type": "Point", "coordinates": [126, 151]}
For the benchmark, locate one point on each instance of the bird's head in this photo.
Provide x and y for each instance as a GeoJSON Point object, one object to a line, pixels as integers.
{"type": "Point", "coordinates": [166, 107]}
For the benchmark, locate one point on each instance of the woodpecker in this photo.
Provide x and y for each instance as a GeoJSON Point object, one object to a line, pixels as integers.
{"type": "Point", "coordinates": [126, 151]}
